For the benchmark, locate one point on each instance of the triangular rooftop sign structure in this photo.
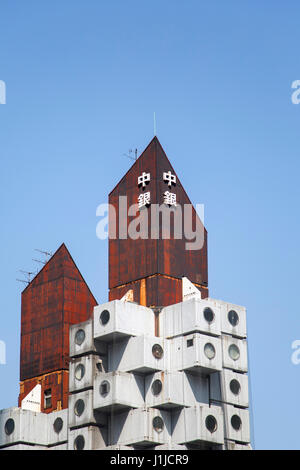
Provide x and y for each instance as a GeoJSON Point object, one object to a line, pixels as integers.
{"type": "Point", "coordinates": [154, 267]}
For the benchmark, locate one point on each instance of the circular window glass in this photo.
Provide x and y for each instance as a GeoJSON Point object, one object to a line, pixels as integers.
{"type": "Point", "coordinates": [236, 422]}
{"type": "Point", "coordinates": [79, 443]}
{"type": "Point", "coordinates": [235, 386]}
{"type": "Point", "coordinates": [9, 426]}
{"type": "Point", "coordinates": [79, 337]}
{"type": "Point", "coordinates": [104, 317]}
{"type": "Point", "coordinates": [233, 317]}
{"type": "Point", "coordinates": [158, 424]}
{"type": "Point", "coordinates": [208, 315]}
{"type": "Point", "coordinates": [156, 387]}
{"type": "Point", "coordinates": [79, 371]}
{"type": "Point", "coordinates": [234, 352]}
{"type": "Point", "coordinates": [58, 425]}
{"type": "Point", "coordinates": [209, 351]}
{"type": "Point", "coordinates": [157, 351]}
{"type": "Point", "coordinates": [79, 407]}
{"type": "Point", "coordinates": [211, 423]}
{"type": "Point", "coordinates": [104, 388]}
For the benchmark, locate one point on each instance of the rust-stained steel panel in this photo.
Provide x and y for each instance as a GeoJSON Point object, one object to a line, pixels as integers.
{"type": "Point", "coordinates": [55, 299]}
{"type": "Point", "coordinates": [57, 382]}
{"type": "Point", "coordinates": [160, 291]}
{"type": "Point", "coordinates": [131, 260]}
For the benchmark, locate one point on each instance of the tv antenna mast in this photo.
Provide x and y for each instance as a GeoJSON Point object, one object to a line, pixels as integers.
{"type": "Point", "coordinates": [47, 255]}
{"type": "Point", "coordinates": [29, 275]}
{"type": "Point", "coordinates": [129, 155]}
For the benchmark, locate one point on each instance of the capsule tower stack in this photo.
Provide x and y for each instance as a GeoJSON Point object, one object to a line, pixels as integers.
{"type": "Point", "coordinates": [159, 366]}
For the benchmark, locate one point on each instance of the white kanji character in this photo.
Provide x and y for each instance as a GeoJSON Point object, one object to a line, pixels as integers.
{"type": "Point", "coordinates": [170, 198]}
{"type": "Point", "coordinates": [169, 178]}
{"type": "Point", "coordinates": [143, 179]}
{"type": "Point", "coordinates": [144, 199]}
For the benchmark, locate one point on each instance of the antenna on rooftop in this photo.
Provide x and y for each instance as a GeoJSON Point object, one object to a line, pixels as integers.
{"type": "Point", "coordinates": [29, 275]}
{"type": "Point", "coordinates": [47, 255]}
{"type": "Point", "coordinates": [129, 155]}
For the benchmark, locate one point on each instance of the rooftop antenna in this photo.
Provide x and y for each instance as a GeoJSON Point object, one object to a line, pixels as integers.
{"type": "Point", "coordinates": [29, 275]}
{"type": "Point", "coordinates": [154, 123]}
{"type": "Point", "coordinates": [129, 155]}
{"type": "Point", "coordinates": [47, 255]}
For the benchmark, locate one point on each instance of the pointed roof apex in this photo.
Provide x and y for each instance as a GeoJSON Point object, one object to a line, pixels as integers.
{"type": "Point", "coordinates": [154, 142]}
{"type": "Point", "coordinates": [62, 255]}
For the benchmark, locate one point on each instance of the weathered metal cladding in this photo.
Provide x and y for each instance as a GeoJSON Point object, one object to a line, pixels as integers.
{"type": "Point", "coordinates": [56, 298]}
{"type": "Point", "coordinates": [159, 291]}
{"type": "Point", "coordinates": [129, 259]}
{"type": "Point", "coordinates": [57, 382]}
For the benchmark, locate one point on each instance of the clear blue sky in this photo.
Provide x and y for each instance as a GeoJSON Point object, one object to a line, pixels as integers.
{"type": "Point", "coordinates": [83, 79]}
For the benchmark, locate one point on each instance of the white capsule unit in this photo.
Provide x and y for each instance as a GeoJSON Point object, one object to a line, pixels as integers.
{"type": "Point", "coordinates": [233, 318]}
{"type": "Point", "coordinates": [57, 427]}
{"type": "Point", "coordinates": [165, 390]}
{"type": "Point", "coordinates": [197, 353]}
{"type": "Point", "coordinates": [19, 426]}
{"type": "Point", "coordinates": [116, 391]}
{"type": "Point", "coordinates": [81, 338]}
{"type": "Point", "coordinates": [82, 372]}
{"type": "Point", "coordinates": [141, 428]}
{"type": "Point", "coordinates": [194, 315]}
{"type": "Point", "coordinates": [140, 354]}
{"type": "Point", "coordinates": [199, 424]}
{"type": "Point", "coordinates": [234, 353]}
{"type": "Point", "coordinates": [235, 388]}
{"type": "Point", "coordinates": [81, 410]}
{"type": "Point", "coordinates": [118, 319]}
{"type": "Point", "coordinates": [87, 438]}
{"type": "Point", "coordinates": [237, 427]}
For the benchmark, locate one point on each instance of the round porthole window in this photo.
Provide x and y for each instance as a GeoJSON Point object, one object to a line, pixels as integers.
{"type": "Point", "coordinates": [156, 387]}
{"type": "Point", "coordinates": [209, 351]}
{"type": "Point", "coordinates": [236, 422]}
{"type": "Point", "coordinates": [208, 314]}
{"type": "Point", "coordinates": [58, 425]}
{"type": "Point", "coordinates": [235, 386]}
{"type": "Point", "coordinates": [104, 388]}
{"type": "Point", "coordinates": [79, 443]}
{"type": "Point", "coordinates": [211, 423]}
{"type": "Point", "coordinates": [157, 351]}
{"type": "Point", "coordinates": [79, 337]}
{"type": "Point", "coordinates": [104, 317]}
{"type": "Point", "coordinates": [234, 352]}
{"type": "Point", "coordinates": [233, 317]}
{"type": "Point", "coordinates": [79, 407]}
{"type": "Point", "coordinates": [79, 371]}
{"type": "Point", "coordinates": [158, 424]}
{"type": "Point", "coordinates": [9, 426]}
